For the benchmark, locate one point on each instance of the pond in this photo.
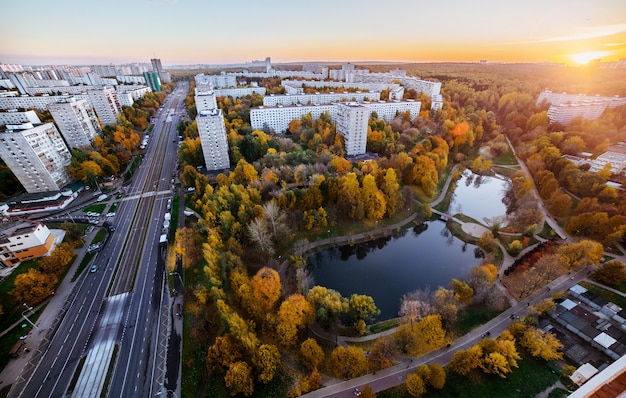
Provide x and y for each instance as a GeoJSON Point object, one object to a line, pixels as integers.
{"type": "Point", "coordinates": [478, 196]}
{"type": "Point", "coordinates": [427, 255]}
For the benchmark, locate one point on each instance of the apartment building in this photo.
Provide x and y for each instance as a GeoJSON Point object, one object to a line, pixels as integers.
{"type": "Point", "coordinates": [106, 104]}
{"type": "Point", "coordinates": [37, 156]}
{"type": "Point", "coordinates": [320, 98]}
{"type": "Point", "coordinates": [14, 117]}
{"type": "Point", "coordinates": [564, 107]}
{"type": "Point", "coordinates": [277, 118]}
{"type": "Point", "coordinates": [40, 102]}
{"type": "Point", "coordinates": [215, 81]}
{"type": "Point", "coordinates": [212, 132]}
{"type": "Point", "coordinates": [22, 239]}
{"type": "Point", "coordinates": [616, 159]}
{"type": "Point", "coordinates": [77, 122]}
{"type": "Point", "coordinates": [351, 119]}
{"type": "Point", "coordinates": [205, 100]}
{"type": "Point", "coordinates": [239, 92]}
{"type": "Point", "coordinates": [153, 81]}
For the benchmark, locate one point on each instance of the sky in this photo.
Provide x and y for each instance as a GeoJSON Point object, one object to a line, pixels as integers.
{"type": "Point", "coordinates": [35, 32]}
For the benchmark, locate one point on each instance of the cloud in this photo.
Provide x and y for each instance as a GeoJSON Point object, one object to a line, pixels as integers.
{"type": "Point", "coordinates": [162, 1]}
{"type": "Point", "coordinates": [590, 33]}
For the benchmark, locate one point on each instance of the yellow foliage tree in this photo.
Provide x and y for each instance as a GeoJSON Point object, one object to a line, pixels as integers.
{"type": "Point", "coordinates": [239, 379]}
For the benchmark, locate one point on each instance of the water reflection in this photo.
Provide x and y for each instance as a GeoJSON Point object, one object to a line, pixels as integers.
{"type": "Point", "coordinates": [386, 268]}
{"type": "Point", "coordinates": [479, 196]}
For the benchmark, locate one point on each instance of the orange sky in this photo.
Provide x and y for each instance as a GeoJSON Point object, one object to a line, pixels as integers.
{"type": "Point", "coordinates": [194, 31]}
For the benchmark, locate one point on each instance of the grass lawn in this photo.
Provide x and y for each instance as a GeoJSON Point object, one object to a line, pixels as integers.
{"type": "Point", "coordinates": [506, 158]}
{"type": "Point", "coordinates": [384, 325]}
{"type": "Point", "coordinates": [547, 232]}
{"type": "Point", "coordinates": [114, 207]}
{"type": "Point", "coordinates": [98, 208]}
{"type": "Point", "coordinates": [471, 317]}
{"type": "Point", "coordinates": [99, 236]}
{"type": "Point", "coordinates": [532, 377]}
{"type": "Point", "coordinates": [8, 340]}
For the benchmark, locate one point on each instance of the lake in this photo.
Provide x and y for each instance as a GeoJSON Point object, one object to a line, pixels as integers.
{"type": "Point", "coordinates": [387, 268]}
{"type": "Point", "coordinates": [416, 258]}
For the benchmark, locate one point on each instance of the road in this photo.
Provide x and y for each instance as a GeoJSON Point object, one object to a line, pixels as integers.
{"type": "Point", "coordinates": [126, 290]}
{"type": "Point", "coordinates": [396, 375]}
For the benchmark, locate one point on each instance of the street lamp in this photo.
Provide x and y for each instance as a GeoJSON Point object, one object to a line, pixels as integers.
{"type": "Point", "coordinates": [25, 317]}
{"type": "Point", "coordinates": [179, 277]}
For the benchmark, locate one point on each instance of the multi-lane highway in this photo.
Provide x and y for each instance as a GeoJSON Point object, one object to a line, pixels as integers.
{"type": "Point", "coordinates": [117, 318]}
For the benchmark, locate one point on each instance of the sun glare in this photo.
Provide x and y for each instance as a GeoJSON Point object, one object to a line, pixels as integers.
{"type": "Point", "coordinates": [584, 58]}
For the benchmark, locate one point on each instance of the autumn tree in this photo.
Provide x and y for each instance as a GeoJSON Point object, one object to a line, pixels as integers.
{"type": "Point", "coordinates": [611, 273]}
{"type": "Point", "coordinates": [57, 261]}
{"type": "Point", "coordinates": [462, 291]}
{"type": "Point", "coordinates": [294, 314]}
{"type": "Point", "coordinates": [416, 305]}
{"type": "Point", "coordinates": [266, 289]}
{"type": "Point", "coordinates": [415, 385]}
{"type": "Point", "coordinates": [328, 303]}
{"type": "Point", "coordinates": [266, 360]}
{"type": "Point", "coordinates": [391, 188]}
{"type": "Point", "coordinates": [239, 379]}
{"type": "Point", "coordinates": [446, 305]}
{"type": "Point", "coordinates": [222, 353]}
{"type": "Point", "coordinates": [465, 361]}
{"type": "Point", "coordinates": [373, 199]}
{"type": "Point", "coordinates": [312, 354]}
{"type": "Point", "coordinates": [542, 345]}
{"type": "Point", "coordinates": [187, 247]}
{"type": "Point", "coordinates": [381, 354]}
{"type": "Point", "coordinates": [582, 253]}
{"type": "Point", "coordinates": [421, 337]}
{"type": "Point", "coordinates": [32, 287]}
{"type": "Point", "coordinates": [348, 362]}
{"type": "Point", "coordinates": [362, 307]}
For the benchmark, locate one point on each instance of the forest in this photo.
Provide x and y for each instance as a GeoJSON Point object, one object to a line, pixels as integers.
{"type": "Point", "coordinates": [252, 305]}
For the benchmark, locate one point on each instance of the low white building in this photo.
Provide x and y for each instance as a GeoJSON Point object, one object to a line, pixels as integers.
{"type": "Point", "coordinates": [15, 117]}
{"type": "Point", "coordinates": [22, 239]}
{"type": "Point", "coordinates": [319, 98]}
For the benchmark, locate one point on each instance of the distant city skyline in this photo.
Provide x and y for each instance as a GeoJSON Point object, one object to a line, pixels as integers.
{"type": "Point", "coordinates": [197, 32]}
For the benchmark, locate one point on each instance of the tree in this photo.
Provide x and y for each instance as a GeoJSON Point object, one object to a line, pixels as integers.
{"type": "Point", "coordinates": [367, 392]}
{"type": "Point", "coordinates": [238, 379]}
{"type": "Point", "coordinates": [416, 305]}
{"type": "Point", "coordinates": [266, 289]}
{"type": "Point", "coordinates": [348, 362]}
{"type": "Point", "coordinates": [446, 305]}
{"type": "Point", "coordinates": [275, 217]}
{"type": "Point", "coordinates": [373, 200]}
{"type": "Point", "coordinates": [584, 252]}
{"type": "Point", "coordinates": [260, 234]}
{"type": "Point", "coordinates": [32, 287]}
{"type": "Point", "coordinates": [362, 307]}
{"type": "Point", "coordinates": [312, 354]}
{"type": "Point", "coordinates": [464, 361]}
{"type": "Point", "coordinates": [222, 353]}
{"type": "Point", "coordinates": [381, 354]}
{"type": "Point", "coordinates": [415, 385]}
{"type": "Point", "coordinates": [611, 273]}
{"type": "Point", "coordinates": [294, 314]}
{"type": "Point", "coordinates": [496, 363]}
{"type": "Point", "coordinates": [437, 377]}
{"type": "Point", "coordinates": [187, 247]}
{"type": "Point", "coordinates": [391, 188]}
{"type": "Point", "coordinates": [328, 303]}
{"type": "Point", "coordinates": [266, 360]}
{"type": "Point", "coordinates": [462, 291]}
{"type": "Point", "coordinates": [542, 345]}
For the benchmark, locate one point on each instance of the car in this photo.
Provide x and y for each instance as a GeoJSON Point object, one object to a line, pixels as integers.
{"type": "Point", "coordinates": [94, 268]}
{"type": "Point", "coordinates": [112, 228]}
{"type": "Point", "coordinates": [111, 214]}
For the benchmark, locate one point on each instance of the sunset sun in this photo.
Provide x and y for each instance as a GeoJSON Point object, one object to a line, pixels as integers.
{"type": "Point", "coordinates": [584, 57]}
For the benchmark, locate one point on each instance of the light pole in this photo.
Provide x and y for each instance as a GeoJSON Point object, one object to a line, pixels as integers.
{"type": "Point", "coordinates": [179, 277]}
{"type": "Point", "coordinates": [25, 317]}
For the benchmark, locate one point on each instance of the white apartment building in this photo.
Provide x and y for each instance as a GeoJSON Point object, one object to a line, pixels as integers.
{"type": "Point", "coordinates": [239, 92]}
{"type": "Point", "coordinates": [205, 100]}
{"type": "Point", "coordinates": [77, 122]}
{"type": "Point", "coordinates": [106, 104]}
{"type": "Point", "coordinates": [565, 113]}
{"type": "Point", "coordinates": [40, 102]}
{"type": "Point", "coordinates": [22, 239]}
{"type": "Point", "coordinates": [388, 110]}
{"type": "Point", "coordinates": [130, 80]}
{"type": "Point", "coordinates": [136, 91]}
{"type": "Point", "coordinates": [565, 107]}
{"type": "Point", "coordinates": [125, 99]}
{"type": "Point", "coordinates": [319, 98]}
{"type": "Point", "coordinates": [212, 132]}
{"type": "Point", "coordinates": [215, 81]}
{"type": "Point", "coordinates": [617, 160]}
{"type": "Point", "coordinates": [37, 156]}
{"type": "Point", "coordinates": [278, 118]}
{"type": "Point", "coordinates": [14, 117]}
{"type": "Point", "coordinates": [351, 122]}
{"type": "Point", "coordinates": [297, 86]}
